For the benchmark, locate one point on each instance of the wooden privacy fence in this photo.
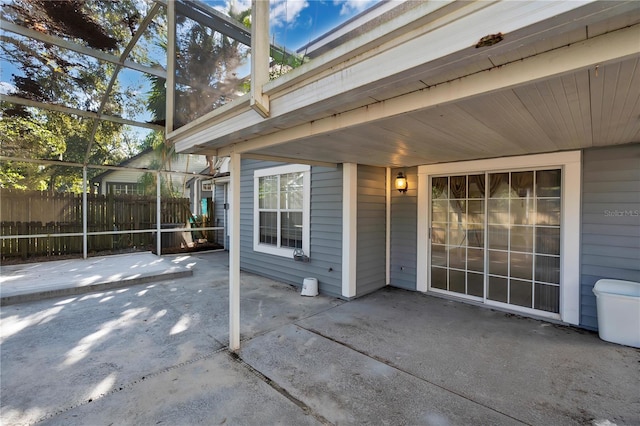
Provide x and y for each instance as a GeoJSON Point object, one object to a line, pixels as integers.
{"type": "Point", "coordinates": [41, 214]}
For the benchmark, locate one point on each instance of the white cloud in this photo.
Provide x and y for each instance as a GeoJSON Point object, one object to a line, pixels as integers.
{"type": "Point", "coordinates": [7, 89]}
{"type": "Point", "coordinates": [284, 12]}
{"type": "Point", "coordinates": [353, 7]}
{"type": "Point", "coordinates": [238, 5]}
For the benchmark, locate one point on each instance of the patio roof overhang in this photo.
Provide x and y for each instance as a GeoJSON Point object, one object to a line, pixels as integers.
{"type": "Point", "coordinates": [416, 90]}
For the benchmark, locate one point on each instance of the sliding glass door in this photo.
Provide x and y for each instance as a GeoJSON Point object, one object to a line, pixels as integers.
{"type": "Point", "coordinates": [495, 237]}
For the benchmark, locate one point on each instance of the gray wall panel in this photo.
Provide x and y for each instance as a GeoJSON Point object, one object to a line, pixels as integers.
{"type": "Point", "coordinates": [326, 232]}
{"type": "Point", "coordinates": [610, 240]}
{"type": "Point", "coordinates": [404, 223]}
{"type": "Point", "coordinates": [371, 245]}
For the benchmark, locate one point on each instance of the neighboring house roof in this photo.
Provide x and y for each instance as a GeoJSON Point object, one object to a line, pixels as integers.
{"type": "Point", "coordinates": [127, 162]}
{"type": "Point", "coordinates": [195, 167]}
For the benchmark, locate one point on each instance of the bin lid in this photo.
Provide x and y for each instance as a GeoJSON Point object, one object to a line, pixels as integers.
{"type": "Point", "coordinates": [624, 288]}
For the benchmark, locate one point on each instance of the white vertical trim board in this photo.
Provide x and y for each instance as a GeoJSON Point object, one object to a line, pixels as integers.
{"type": "Point", "coordinates": [349, 228]}
{"type": "Point", "coordinates": [570, 240]}
{"type": "Point", "coordinates": [234, 254]}
{"type": "Point", "coordinates": [570, 163]}
{"type": "Point", "coordinates": [388, 227]}
{"type": "Point", "coordinates": [422, 233]}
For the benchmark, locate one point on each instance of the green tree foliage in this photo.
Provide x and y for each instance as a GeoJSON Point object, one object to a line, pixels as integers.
{"type": "Point", "coordinates": [207, 65]}
{"type": "Point", "coordinates": [53, 75]}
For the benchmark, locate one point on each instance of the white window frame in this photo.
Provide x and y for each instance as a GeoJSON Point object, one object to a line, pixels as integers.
{"type": "Point", "coordinates": [306, 209]}
{"type": "Point", "coordinates": [131, 188]}
{"type": "Point", "coordinates": [570, 163]}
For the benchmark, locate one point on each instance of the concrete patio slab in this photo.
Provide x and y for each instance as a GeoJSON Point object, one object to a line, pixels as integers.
{"type": "Point", "coordinates": [214, 390]}
{"type": "Point", "coordinates": [155, 354]}
{"type": "Point", "coordinates": [57, 354]}
{"type": "Point", "coordinates": [527, 369]}
{"type": "Point", "coordinates": [36, 281]}
{"type": "Point", "coordinates": [347, 387]}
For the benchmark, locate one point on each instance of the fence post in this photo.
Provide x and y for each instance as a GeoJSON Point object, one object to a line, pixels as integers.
{"type": "Point", "coordinates": [84, 212]}
{"type": "Point", "coordinates": [24, 242]}
{"type": "Point", "coordinates": [158, 221]}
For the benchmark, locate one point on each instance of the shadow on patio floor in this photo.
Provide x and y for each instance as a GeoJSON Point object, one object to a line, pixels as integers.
{"type": "Point", "coordinates": [156, 353]}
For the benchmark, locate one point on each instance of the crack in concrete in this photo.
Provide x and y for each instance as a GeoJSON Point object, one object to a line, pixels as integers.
{"type": "Point", "coordinates": [133, 383]}
{"type": "Point", "coordinates": [392, 365]}
{"type": "Point", "coordinates": [282, 391]}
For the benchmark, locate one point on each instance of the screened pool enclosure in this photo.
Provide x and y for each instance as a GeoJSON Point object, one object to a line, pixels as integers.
{"type": "Point", "coordinates": [88, 91]}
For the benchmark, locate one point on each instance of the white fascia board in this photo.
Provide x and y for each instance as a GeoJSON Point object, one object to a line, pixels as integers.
{"type": "Point", "coordinates": [440, 40]}
{"type": "Point", "coordinates": [611, 47]}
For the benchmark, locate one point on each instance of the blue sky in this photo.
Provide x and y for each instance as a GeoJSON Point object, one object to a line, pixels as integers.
{"type": "Point", "coordinates": [294, 23]}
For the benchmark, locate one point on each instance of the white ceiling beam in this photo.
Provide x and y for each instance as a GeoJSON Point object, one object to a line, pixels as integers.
{"type": "Point", "coordinates": [79, 112]}
{"type": "Point", "coordinates": [57, 41]}
{"type": "Point", "coordinates": [611, 47]}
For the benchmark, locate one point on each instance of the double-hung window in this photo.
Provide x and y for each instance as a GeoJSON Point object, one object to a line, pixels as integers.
{"type": "Point", "coordinates": [281, 209]}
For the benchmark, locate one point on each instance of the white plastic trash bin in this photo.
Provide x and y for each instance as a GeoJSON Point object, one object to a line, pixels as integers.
{"type": "Point", "coordinates": [310, 287]}
{"type": "Point", "coordinates": [618, 304]}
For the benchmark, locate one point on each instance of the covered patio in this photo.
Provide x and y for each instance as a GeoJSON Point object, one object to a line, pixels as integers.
{"type": "Point", "coordinates": [448, 90]}
{"type": "Point", "coordinates": [156, 353]}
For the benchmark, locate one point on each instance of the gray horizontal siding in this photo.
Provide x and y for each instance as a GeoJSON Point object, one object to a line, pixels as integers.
{"type": "Point", "coordinates": [219, 213]}
{"type": "Point", "coordinates": [371, 230]}
{"type": "Point", "coordinates": [326, 232]}
{"type": "Point", "coordinates": [404, 224]}
{"type": "Point", "coordinates": [610, 240]}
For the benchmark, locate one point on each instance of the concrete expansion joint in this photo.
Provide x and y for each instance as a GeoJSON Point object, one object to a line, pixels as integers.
{"type": "Point", "coordinates": [396, 367]}
{"type": "Point", "coordinates": [294, 322]}
{"type": "Point", "coordinates": [131, 384]}
{"type": "Point", "coordinates": [282, 391]}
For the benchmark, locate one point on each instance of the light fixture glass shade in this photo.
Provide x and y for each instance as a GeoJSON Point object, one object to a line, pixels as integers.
{"type": "Point", "coordinates": [401, 182]}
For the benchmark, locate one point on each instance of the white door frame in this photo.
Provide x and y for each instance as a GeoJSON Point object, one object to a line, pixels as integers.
{"type": "Point", "coordinates": [570, 163]}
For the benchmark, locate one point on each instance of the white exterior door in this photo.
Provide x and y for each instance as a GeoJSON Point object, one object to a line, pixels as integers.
{"type": "Point", "coordinates": [505, 237]}
{"type": "Point", "coordinates": [496, 237]}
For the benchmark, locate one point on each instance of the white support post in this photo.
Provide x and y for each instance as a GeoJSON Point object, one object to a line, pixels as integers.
{"type": "Point", "coordinates": [388, 227]}
{"type": "Point", "coordinates": [259, 55]}
{"type": "Point", "coordinates": [84, 213]}
{"type": "Point", "coordinates": [158, 213]}
{"type": "Point", "coordinates": [423, 262]}
{"type": "Point", "coordinates": [234, 253]}
{"type": "Point", "coordinates": [171, 66]}
{"type": "Point", "coordinates": [349, 228]}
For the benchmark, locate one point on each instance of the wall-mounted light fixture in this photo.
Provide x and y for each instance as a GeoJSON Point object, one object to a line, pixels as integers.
{"type": "Point", "coordinates": [401, 182]}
